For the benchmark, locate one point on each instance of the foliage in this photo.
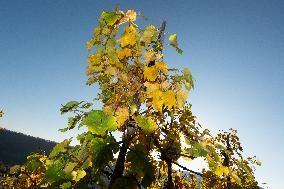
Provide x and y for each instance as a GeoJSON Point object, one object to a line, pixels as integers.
{"type": "Point", "coordinates": [145, 101]}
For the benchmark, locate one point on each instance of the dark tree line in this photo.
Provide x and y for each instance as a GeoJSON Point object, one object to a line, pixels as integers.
{"type": "Point", "coordinates": [15, 147]}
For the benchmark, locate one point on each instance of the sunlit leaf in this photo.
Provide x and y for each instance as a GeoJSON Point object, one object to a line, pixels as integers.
{"type": "Point", "coordinates": [129, 37]}
{"type": "Point", "coordinates": [122, 114]}
{"type": "Point", "coordinates": [98, 122]}
{"type": "Point", "coordinates": [109, 18]}
{"type": "Point", "coordinates": [61, 147]}
{"type": "Point", "coordinates": [174, 43]}
{"type": "Point", "coordinates": [70, 106]}
{"type": "Point", "coordinates": [66, 185]}
{"type": "Point", "coordinates": [150, 73]}
{"type": "Point", "coordinates": [149, 35]}
{"type": "Point", "coordinates": [146, 123]}
{"type": "Point", "coordinates": [149, 56]}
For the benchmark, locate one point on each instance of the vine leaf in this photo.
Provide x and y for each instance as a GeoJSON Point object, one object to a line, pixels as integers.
{"type": "Point", "coordinates": [141, 164]}
{"type": "Point", "coordinates": [66, 185]}
{"type": "Point", "coordinates": [174, 43]}
{"type": "Point", "coordinates": [150, 73]}
{"type": "Point", "coordinates": [129, 37]}
{"type": "Point", "coordinates": [98, 122]}
{"type": "Point", "coordinates": [78, 175]}
{"type": "Point", "coordinates": [69, 106]}
{"type": "Point", "coordinates": [61, 147]}
{"type": "Point", "coordinates": [161, 66]}
{"type": "Point", "coordinates": [103, 150]}
{"type": "Point", "coordinates": [161, 99]}
{"type": "Point", "coordinates": [109, 18]}
{"type": "Point", "coordinates": [122, 114]}
{"type": "Point", "coordinates": [146, 123]}
{"type": "Point", "coordinates": [150, 34]}
{"type": "Point", "coordinates": [222, 170]}
{"type": "Point", "coordinates": [54, 172]}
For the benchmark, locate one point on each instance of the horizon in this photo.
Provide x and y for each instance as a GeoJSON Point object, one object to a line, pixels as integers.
{"type": "Point", "coordinates": [233, 49]}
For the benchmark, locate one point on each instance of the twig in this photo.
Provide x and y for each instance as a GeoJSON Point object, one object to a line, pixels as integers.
{"type": "Point", "coordinates": [197, 173]}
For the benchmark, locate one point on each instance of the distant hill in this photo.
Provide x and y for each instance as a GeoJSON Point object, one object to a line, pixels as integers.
{"type": "Point", "coordinates": [14, 147]}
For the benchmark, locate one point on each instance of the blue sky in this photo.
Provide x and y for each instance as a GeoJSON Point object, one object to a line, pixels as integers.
{"type": "Point", "coordinates": [233, 48]}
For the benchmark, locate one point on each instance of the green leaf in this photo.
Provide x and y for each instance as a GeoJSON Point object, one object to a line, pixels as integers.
{"type": "Point", "coordinates": [79, 175]}
{"type": "Point", "coordinates": [188, 80]}
{"type": "Point", "coordinates": [99, 122]}
{"type": "Point", "coordinates": [109, 18]}
{"type": "Point", "coordinates": [58, 148]}
{"type": "Point", "coordinates": [150, 34]}
{"type": "Point", "coordinates": [33, 165]}
{"type": "Point", "coordinates": [86, 105]}
{"type": "Point", "coordinates": [70, 106]}
{"type": "Point", "coordinates": [72, 121]}
{"type": "Point", "coordinates": [141, 164]}
{"type": "Point", "coordinates": [146, 123]}
{"type": "Point", "coordinates": [174, 43]}
{"type": "Point", "coordinates": [66, 185]}
{"type": "Point", "coordinates": [221, 147]}
{"type": "Point", "coordinates": [103, 150]}
{"type": "Point", "coordinates": [63, 130]}
{"type": "Point", "coordinates": [54, 172]}
{"type": "Point", "coordinates": [69, 167]}
{"type": "Point", "coordinates": [197, 151]}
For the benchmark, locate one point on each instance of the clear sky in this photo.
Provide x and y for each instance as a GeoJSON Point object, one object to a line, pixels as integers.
{"type": "Point", "coordinates": [235, 50]}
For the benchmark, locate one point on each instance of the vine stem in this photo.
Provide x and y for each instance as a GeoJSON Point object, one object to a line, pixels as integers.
{"type": "Point", "coordinates": [119, 166]}
{"type": "Point", "coordinates": [197, 173]}
{"type": "Point", "coordinates": [170, 184]}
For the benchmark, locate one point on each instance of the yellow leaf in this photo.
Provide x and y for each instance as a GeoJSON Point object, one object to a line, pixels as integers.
{"type": "Point", "coordinates": [169, 98]}
{"type": "Point", "coordinates": [129, 37]}
{"type": "Point", "coordinates": [162, 67]}
{"type": "Point", "coordinates": [122, 115]}
{"type": "Point", "coordinates": [88, 45]}
{"type": "Point", "coordinates": [93, 68]}
{"type": "Point", "coordinates": [148, 34]}
{"type": "Point", "coordinates": [157, 100]}
{"type": "Point", "coordinates": [181, 98]}
{"type": "Point", "coordinates": [186, 71]}
{"type": "Point", "coordinates": [124, 53]}
{"type": "Point", "coordinates": [235, 178]}
{"type": "Point", "coordinates": [258, 162]}
{"type": "Point", "coordinates": [131, 15]}
{"type": "Point", "coordinates": [218, 171]}
{"type": "Point", "coordinates": [149, 56]}
{"type": "Point", "coordinates": [151, 87]}
{"type": "Point", "coordinates": [165, 86]}
{"type": "Point", "coordinates": [159, 56]}
{"type": "Point", "coordinates": [110, 70]}
{"type": "Point", "coordinates": [146, 123]}
{"type": "Point", "coordinates": [226, 170]}
{"type": "Point", "coordinates": [95, 59]}
{"type": "Point", "coordinates": [133, 109]}
{"type": "Point", "coordinates": [97, 33]}
{"type": "Point", "coordinates": [150, 73]}
{"type": "Point", "coordinates": [163, 98]}
{"type": "Point", "coordinates": [108, 109]}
